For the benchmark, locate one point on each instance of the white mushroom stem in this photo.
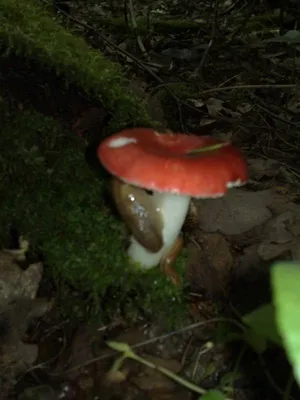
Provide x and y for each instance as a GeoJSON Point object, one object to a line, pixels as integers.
{"type": "Point", "coordinates": [174, 209]}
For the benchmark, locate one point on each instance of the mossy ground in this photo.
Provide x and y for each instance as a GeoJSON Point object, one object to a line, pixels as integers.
{"type": "Point", "coordinates": [51, 195]}
{"type": "Point", "coordinates": [48, 191]}
{"type": "Point", "coordinates": [28, 30]}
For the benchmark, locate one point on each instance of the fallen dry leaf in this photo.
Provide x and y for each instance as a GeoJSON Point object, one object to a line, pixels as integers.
{"type": "Point", "coordinates": [244, 108]}
{"type": "Point", "coordinates": [260, 167]}
{"type": "Point", "coordinates": [236, 213]}
{"type": "Point", "coordinates": [206, 121]}
{"type": "Point", "coordinates": [270, 251]}
{"type": "Point", "coordinates": [276, 230]}
{"type": "Point", "coordinates": [214, 106]}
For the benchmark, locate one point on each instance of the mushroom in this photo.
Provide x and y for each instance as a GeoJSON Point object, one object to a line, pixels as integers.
{"type": "Point", "coordinates": [156, 174]}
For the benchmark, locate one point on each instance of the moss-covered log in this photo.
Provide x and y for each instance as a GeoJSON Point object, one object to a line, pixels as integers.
{"type": "Point", "coordinates": [28, 30]}
{"type": "Point", "coordinates": [48, 191]}
{"type": "Point", "coordinates": [53, 198]}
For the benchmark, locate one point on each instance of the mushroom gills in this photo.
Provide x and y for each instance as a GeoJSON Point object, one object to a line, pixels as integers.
{"type": "Point", "coordinates": [141, 215]}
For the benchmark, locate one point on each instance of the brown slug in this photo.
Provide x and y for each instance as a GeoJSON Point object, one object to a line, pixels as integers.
{"type": "Point", "coordinates": [168, 260]}
{"type": "Point", "coordinates": [140, 213]}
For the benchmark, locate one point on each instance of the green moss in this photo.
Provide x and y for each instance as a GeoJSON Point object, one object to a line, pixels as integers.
{"type": "Point", "coordinates": [26, 29]}
{"type": "Point", "coordinates": [51, 195]}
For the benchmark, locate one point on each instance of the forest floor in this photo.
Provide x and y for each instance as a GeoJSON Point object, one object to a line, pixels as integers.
{"type": "Point", "coordinates": [240, 88]}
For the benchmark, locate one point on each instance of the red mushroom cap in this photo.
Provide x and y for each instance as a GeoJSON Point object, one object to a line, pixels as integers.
{"type": "Point", "coordinates": [197, 166]}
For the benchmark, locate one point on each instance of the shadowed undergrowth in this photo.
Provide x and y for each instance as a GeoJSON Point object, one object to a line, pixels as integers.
{"type": "Point", "coordinates": [51, 196]}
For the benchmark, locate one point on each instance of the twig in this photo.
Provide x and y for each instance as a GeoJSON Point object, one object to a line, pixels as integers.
{"type": "Point", "coordinates": [207, 347]}
{"type": "Point", "coordinates": [186, 350]}
{"type": "Point", "coordinates": [125, 13]}
{"type": "Point", "coordinates": [237, 87]}
{"type": "Point", "coordinates": [128, 353]}
{"type": "Point", "coordinates": [246, 19]}
{"type": "Point", "coordinates": [125, 53]}
{"type": "Point", "coordinates": [270, 379]}
{"type": "Point", "coordinates": [276, 116]}
{"type": "Point", "coordinates": [134, 25]}
{"type": "Point", "coordinates": [211, 40]}
{"type": "Point", "coordinates": [286, 395]}
{"type": "Point", "coordinates": [153, 340]}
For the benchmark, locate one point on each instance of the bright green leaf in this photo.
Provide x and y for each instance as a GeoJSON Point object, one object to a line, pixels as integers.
{"type": "Point", "coordinates": [262, 322]}
{"type": "Point", "coordinates": [257, 342]}
{"type": "Point", "coordinates": [119, 346]}
{"type": "Point", "coordinates": [285, 278]}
